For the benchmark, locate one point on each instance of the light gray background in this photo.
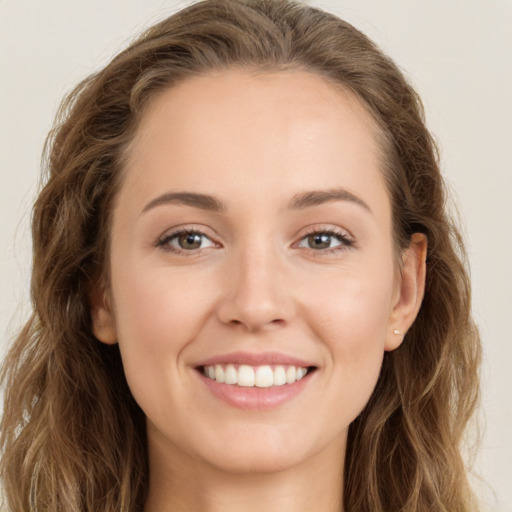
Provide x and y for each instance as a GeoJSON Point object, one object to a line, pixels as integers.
{"type": "Point", "coordinates": [458, 54]}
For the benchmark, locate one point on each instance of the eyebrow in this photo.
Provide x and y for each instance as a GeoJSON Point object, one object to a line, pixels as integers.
{"type": "Point", "coordinates": [300, 201]}
{"type": "Point", "coordinates": [318, 197]}
{"type": "Point", "coordinates": [202, 201]}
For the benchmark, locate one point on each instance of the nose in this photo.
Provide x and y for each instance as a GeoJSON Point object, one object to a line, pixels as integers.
{"type": "Point", "coordinates": [256, 295]}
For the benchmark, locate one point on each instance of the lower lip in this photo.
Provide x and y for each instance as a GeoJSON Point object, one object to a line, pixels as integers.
{"type": "Point", "coordinates": [254, 398]}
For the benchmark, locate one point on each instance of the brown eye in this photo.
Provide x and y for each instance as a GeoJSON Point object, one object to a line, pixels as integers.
{"type": "Point", "coordinates": [190, 241]}
{"type": "Point", "coordinates": [326, 241]}
{"type": "Point", "coordinates": [319, 241]}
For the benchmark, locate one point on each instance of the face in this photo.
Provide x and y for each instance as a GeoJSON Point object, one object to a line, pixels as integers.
{"type": "Point", "coordinates": [252, 243]}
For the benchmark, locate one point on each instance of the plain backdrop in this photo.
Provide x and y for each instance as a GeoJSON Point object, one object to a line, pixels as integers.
{"type": "Point", "coordinates": [458, 55]}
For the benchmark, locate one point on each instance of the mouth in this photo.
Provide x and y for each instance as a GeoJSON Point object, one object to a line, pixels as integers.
{"type": "Point", "coordinates": [256, 382]}
{"type": "Point", "coordinates": [261, 376]}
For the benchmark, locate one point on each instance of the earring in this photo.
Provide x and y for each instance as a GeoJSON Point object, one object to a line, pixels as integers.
{"type": "Point", "coordinates": [396, 331]}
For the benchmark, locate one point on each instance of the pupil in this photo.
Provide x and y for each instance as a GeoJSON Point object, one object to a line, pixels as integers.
{"type": "Point", "coordinates": [190, 241]}
{"type": "Point", "coordinates": [321, 241]}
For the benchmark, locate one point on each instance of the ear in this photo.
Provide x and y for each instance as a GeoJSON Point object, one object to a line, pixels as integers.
{"type": "Point", "coordinates": [409, 291]}
{"type": "Point", "coordinates": [103, 322]}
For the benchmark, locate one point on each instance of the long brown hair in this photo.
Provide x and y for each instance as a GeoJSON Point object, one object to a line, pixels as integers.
{"type": "Point", "coordinates": [72, 436]}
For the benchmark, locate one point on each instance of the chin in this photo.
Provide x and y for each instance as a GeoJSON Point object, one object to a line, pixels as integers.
{"type": "Point", "coordinates": [257, 462]}
{"type": "Point", "coordinates": [261, 453]}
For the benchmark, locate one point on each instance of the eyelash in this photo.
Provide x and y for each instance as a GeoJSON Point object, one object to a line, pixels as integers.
{"type": "Point", "coordinates": [345, 241]}
{"type": "Point", "coordinates": [164, 242]}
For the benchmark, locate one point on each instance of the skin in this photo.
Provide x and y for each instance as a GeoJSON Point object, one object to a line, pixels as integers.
{"type": "Point", "coordinates": [254, 142]}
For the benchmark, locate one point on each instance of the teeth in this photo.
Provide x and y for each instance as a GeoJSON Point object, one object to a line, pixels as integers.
{"type": "Point", "coordinates": [301, 372]}
{"type": "Point", "coordinates": [231, 375]}
{"type": "Point", "coordinates": [264, 377]}
{"type": "Point", "coordinates": [245, 376]}
{"type": "Point", "coordinates": [279, 376]}
{"type": "Point", "coordinates": [259, 376]}
{"type": "Point", "coordinates": [219, 373]}
{"type": "Point", "coordinates": [290, 374]}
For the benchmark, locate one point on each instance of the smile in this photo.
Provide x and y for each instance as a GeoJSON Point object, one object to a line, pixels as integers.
{"type": "Point", "coordinates": [263, 376]}
{"type": "Point", "coordinates": [256, 381]}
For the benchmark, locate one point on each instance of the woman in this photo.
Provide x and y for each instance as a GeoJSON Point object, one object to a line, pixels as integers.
{"type": "Point", "coordinates": [247, 293]}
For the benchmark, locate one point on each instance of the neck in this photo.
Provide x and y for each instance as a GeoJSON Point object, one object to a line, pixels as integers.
{"type": "Point", "coordinates": [180, 484]}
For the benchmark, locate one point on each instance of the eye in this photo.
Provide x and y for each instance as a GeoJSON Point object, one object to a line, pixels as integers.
{"type": "Point", "coordinates": [325, 240]}
{"type": "Point", "coordinates": [185, 241]}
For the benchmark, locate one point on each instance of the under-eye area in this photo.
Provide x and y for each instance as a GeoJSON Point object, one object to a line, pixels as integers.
{"type": "Point", "coordinates": [262, 376]}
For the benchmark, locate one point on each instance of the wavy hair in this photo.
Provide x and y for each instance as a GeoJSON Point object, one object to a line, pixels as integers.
{"type": "Point", "coordinates": [72, 436]}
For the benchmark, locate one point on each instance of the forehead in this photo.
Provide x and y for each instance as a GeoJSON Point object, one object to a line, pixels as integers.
{"type": "Point", "coordinates": [283, 130]}
{"type": "Point", "coordinates": [294, 98]}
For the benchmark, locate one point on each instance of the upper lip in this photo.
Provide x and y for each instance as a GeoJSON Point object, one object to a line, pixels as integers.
{"type": "Point", "coordinates": [255, 359]}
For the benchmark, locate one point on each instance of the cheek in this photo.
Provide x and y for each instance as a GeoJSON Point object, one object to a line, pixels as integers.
{"type": "Point", "coordinates": [156, 307]}
{"type": "Point", "coordinates": [158, 313]}
{"type": "Point", "coordinates": [352, 309]}
{"type": "Point", "coordinates": [351, 318]}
